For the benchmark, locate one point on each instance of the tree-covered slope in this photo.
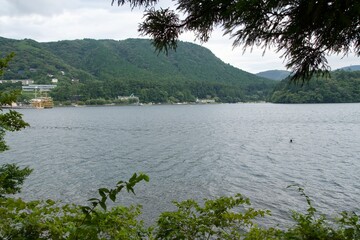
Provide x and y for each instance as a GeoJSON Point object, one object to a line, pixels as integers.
{"type": "Point", "coordinates": [341, 87]}
{"type": "Point", "coordinates": [32, 60]}
{"type": "Point", "coordinates": [124, 59]}
{"type": "Point", "coordinates": [109, 68]}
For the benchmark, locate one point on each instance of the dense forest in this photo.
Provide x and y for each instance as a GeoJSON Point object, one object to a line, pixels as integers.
{"type": "Point", "coordinates": [105, 69]}
{"type": "Point", "coordinates": [340, 87]}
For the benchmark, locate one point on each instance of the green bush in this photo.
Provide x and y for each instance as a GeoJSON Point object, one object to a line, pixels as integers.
{"type": "Point", "coordinates": [11, 178]}
{"type": "Point", "coordinates": [51, 220]}
{"type": "Point", "coordinates": [220, 218]}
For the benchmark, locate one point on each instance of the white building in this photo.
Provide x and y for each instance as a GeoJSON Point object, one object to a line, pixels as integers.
{"type": "Point", "coordinates": [205, 100]}
{"type": "Point", "coordinates": [23, 81]}
{"type": "Point", "coordinates": [42, 88]}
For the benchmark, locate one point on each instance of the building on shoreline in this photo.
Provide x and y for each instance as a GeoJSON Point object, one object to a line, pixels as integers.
{"type": "Point", "coordinates": [42, 102]}
{"type": "Point", "coordinates": [130, 99]}
{"type": "Point", "coordinates": [205, 101]}
{"type": "Point", "coordinates": [41, 88]}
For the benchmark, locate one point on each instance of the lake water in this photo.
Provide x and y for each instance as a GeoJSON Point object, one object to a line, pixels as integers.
{"type": "Point", "coordinates": [195, 151]}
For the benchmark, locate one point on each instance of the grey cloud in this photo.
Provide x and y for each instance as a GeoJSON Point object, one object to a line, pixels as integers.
{"type": "Point", "coordinates": [48, 8]}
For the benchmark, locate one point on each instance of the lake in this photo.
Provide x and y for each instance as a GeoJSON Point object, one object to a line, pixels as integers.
{"type": "Point", "coordinates": [195, 151]}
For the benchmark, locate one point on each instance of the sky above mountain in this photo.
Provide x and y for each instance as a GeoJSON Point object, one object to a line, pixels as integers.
{"type": "Point", "coordinates": [44, 20]}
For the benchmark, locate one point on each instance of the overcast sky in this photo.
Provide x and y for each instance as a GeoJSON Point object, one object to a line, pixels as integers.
{"type": "Point", "coordinates": [53, 20]}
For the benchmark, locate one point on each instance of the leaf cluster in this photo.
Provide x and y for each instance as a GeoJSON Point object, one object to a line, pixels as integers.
{"type": "Point", "coordinates": [222, 218]}
{"type": "Point", "coordinates": [11, 120]}
{"type": "Point", "coordinates": [111, 194]}
{"type": "Point", "coordinates": [312, 225]}
{"type": "Point", "coordinates": [12, 178]}
{"type": "Point", "coordinates": [54, 220]}
{"type": "Point", "coordinates": [135, 3]}
{"type": "Point", "coordinates": [5, 61]}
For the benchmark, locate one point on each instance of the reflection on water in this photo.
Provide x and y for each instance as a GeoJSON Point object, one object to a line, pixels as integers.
{"type": "Point", "coordinates": [195, 151]}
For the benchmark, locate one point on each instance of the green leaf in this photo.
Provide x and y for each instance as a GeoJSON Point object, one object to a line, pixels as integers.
{"type": "Point", "coordinates": [130, 189]}
{"type": "Point", "coordinates": [85, 209]}
{"type": "Point", "coordinates": [103, 205]}
{"type": "Point", "coordinates": [103, 191]}
{"type": "Point", "coordinates": [112, 195]}
{"type": "Point", "coordinates": [133, 178]}
{"type": "Point", "coordinates": [93, 200]}
{"type": "Point", "coordinates": [146, 178]}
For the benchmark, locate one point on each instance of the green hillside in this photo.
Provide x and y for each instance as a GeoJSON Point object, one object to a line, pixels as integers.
{"type": "Point", "coordinates": [33, 61]}
{"type": "Point", "coordinates": [341, 87]}
{"type": "Point", "coordinates": [109, 58]}
{"type": "Point", "coordinates": [91, 69]}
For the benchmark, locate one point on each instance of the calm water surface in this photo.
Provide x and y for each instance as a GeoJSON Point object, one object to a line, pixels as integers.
{"type": "Point", "coordinates": [195, 151]}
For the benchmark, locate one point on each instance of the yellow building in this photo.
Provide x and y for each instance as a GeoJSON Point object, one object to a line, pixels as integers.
{"type": "Point", "coordinates": [42, 102]}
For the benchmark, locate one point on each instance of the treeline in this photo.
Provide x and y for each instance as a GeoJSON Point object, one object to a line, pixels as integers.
{"type": "Point", "coordinates": [7, 87]}
{"type": "Point", "coordinates": [158, 92]}
{"type": "Point", "coordinates": [340, 87]}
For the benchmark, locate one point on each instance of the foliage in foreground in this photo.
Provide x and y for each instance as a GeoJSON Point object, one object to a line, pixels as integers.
{"type": "Point", "coordinates": [11, 176]}
{"type": "Point", "coordinates": [53, 220]}
{"type": "Point", "coordinates": [221, 218]}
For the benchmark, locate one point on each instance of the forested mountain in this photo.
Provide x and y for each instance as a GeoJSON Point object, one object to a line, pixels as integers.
{"type": "Point", "coordinates": [33, 61]}
{"type": "Point", "coordinates": [91, 69]}
{"type": "Point", "coordinates": [274, 74]}
{"type": "Point", "coordinates": [341, 87]}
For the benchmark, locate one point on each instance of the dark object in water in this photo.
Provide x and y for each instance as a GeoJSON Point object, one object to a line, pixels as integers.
{"type": "Point", "coordinates": [291, 140]}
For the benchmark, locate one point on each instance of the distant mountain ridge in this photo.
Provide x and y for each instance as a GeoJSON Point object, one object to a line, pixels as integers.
{"type": "Point", "coordinates": [350, 68]}
{"type": "Point", "coordinates": [279, 75]}
{"type": "Point", "coordinates": [274, 74]}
